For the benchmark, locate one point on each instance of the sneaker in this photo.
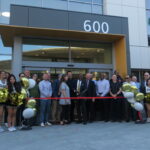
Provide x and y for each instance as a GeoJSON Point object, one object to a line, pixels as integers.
{"type": "Point", "coordinates": [1, 129]}
{"type": "Point", "coordinates": [48, 123]}
{"type": "Point", "coordinates": [6, 124]}
{"type": "Point", "coordinates": [14, 129]}
{"type": "Point", "coordinates": [148, 120]}
{"type": "Point", "coordinates": [42, 124]}
{"type": "Point", "coordinates": [10, 129]}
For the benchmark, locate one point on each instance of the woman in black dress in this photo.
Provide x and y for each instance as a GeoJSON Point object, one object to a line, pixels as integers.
{"type": "Point", "coordinates": [116, 103]}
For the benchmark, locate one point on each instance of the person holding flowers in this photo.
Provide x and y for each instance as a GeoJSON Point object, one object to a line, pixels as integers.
{"type": "Point", "coordinates": [13, 89]}
{"type": "Point", "coordinates": [3, 85]}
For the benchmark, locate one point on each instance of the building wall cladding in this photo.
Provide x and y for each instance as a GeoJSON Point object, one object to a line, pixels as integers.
{"type": "Point", "coordinates": [135, 10]}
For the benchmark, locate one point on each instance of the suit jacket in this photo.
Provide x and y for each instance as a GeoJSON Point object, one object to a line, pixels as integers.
{"type": "Point", "coordinates": [89, 91]}
{"type": "Point", "coordinates": [142, 87]}
{"type": "Point", "coordinates": [71, 84]}
{"type": "Point", "coordinates": [75, 83]}
{"type": "Point", "coordinates": [55, 87]}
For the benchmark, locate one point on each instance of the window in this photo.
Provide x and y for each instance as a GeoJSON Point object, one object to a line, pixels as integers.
{"type": "Point", "coordinates": [99, 2]}
{"type": "Point", "coordinates": [84, 1]}
{"type": "Point", "coordinates": [5, 57]}
{"type": "Point", "coordinates": [148, 19]}
{"type": "Point", "coordinates": [67, 51]}
{"type": "Point", "coordinates": [147, 4]}
{"type": "Point", "coordinates": [149, 40]}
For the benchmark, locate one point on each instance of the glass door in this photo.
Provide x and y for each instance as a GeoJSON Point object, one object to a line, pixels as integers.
{"type": "Point", "coordinates": [96, 73]}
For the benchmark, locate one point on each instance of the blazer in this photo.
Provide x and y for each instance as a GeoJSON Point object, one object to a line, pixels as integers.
{"type": "Point", "coordinates": [55, 86]}
{"type": "Point", "coordinates": [89, 91]}
{"type": "Point", "coordinates": [142, 87]}
{"type": "Point", "coordinates": [71, 84]}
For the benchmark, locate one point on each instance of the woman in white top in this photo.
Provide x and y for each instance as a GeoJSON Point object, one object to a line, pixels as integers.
{"type": "Point", "coordinates": [65, 103]}
{"type": "Point", "coordinates": [3, 84]}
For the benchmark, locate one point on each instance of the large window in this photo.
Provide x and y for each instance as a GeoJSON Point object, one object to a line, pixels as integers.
{"type": "Point", "coordinates": [147, 4]}
{"type": "Point", "coordinates": [148, 21]}
{"type": "Point", "coordinates": [68, 51]}
{"type": "Point", "coordinates": [91, 6]}
{"type": "Point", "coordinates": [5, 57]}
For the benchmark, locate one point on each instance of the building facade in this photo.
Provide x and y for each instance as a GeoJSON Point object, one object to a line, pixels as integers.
{"type": "Point", "coordinates": [100, 53]}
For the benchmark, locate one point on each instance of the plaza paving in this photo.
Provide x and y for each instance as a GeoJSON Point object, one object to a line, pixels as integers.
{"type": "Point", "coordinates": [94, 136]}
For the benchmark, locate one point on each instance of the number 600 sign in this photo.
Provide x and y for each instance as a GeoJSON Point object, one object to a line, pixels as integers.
{"type": "Point", "coordinates": [96, 26]}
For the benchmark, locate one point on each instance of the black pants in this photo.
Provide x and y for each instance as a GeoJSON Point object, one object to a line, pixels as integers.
{"type": "Point", "coordinates": [107, 108]}
{"type": "Point", "coordinates": [99, 108]}
{"type": "Point", "coordinates": [81, 110]}
{"type": "Point", "coordinates": [19, 117]}
{"type": "Point", "coordinates": [65, 112]}
{"type": "Point", "coordinates": [78, 108]}
{"type": "Point", "coordinates": [116, 110]}
{"type": "Point", "coordinates": [102, 107]}
{"type": "Point", "coordinates": [129, 112]}
{"type": "Point", "coordinates": [72, 107]}
{"type": "Point", "coordinates": [90, 110]}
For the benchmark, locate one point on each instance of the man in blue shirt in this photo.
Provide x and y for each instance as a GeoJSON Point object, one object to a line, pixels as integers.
{"type": "Point", "coordinates": [45, 88]}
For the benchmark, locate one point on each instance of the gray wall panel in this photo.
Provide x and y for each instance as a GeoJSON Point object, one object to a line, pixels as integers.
{"type": "Point", "coordinates": [67, 20]}
{"type": "Point", "coordinates": [19, 15]}
{"type": "Point", "coordinates": [47, 18]}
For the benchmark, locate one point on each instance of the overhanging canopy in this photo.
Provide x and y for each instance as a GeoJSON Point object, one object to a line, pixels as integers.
{"type": "Point", "coordinates": [8, 32]}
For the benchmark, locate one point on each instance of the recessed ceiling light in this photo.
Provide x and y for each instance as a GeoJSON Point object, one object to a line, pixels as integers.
{"type": "Point", "coordinates": [43, 53]}
{"type": "Point", "coordinates": [100, 50]}
{"type": "Point", "coordinates": [6, 14]}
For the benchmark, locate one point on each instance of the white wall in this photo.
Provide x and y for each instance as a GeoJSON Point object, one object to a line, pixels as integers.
{"type": "Point", "coordinates": [136, 13]}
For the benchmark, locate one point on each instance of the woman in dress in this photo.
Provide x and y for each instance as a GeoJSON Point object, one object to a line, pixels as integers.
{"type": "Point", "coordinates": [64, 103]}
{"type": "Point", "coordinates": [116, 103]}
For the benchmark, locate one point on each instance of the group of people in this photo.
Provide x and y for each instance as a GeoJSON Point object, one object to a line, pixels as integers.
{"type": "Point", "coordinates": [66, 99]}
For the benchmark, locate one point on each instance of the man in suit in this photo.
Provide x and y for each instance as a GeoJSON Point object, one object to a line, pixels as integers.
{"type": "Point", "coordinates": [71, 84]}
{"type": "Point", "coordinates": [143, 84]}
{"type": "Point", "coordinates": [78, 102]}
{"type": "Point", "coordinates": [88, 89]}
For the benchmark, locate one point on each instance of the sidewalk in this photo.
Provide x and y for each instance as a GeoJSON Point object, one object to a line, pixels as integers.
{"type": "Point", "coordinates": [95, 136]}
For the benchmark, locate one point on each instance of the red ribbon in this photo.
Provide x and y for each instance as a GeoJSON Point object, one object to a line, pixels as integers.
{"type": "Point", "coordinates": [78, 98]}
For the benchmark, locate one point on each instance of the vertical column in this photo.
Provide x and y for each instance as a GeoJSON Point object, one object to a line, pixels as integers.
{"type": "Point", "coordinates": [17, 56]}
{"type": "Point", "coordinates": [121, 56]}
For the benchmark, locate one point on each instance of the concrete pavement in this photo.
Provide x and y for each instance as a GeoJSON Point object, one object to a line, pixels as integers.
{"type": "Point", "coordinates": [94, 136]}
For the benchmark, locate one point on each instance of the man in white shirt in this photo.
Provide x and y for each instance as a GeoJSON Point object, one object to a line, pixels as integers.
{"type": "Point", "coordinates": [102, 89]}
{"type": "Point", "coordinates": [45, 88]}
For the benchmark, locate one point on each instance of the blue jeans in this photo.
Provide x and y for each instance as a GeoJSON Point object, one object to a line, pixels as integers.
{"type": "Point", "coordinates": [44, 110]}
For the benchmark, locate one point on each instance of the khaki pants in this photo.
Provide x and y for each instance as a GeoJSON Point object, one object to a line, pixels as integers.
{"type": "Point", "coordinates": [55, 111]}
